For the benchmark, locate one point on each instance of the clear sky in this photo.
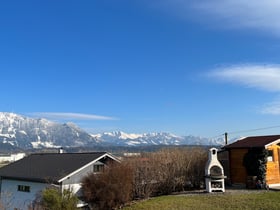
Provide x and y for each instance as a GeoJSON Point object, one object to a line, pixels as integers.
{"type": "Point", "coordinates": [139, 66]}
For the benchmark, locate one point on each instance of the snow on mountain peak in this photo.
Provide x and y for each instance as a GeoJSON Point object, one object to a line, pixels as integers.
{"type": "Point", "coordinates": [121, 135]}
{"type": "Point", "coordinates": [156, 138]}
{"type": "Point", "coordinates": [33, 133]}
{"type": "Point", "coordinates": [25, 132]}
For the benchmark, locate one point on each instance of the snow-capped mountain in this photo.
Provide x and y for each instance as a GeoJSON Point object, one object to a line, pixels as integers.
{"type": "Point", "coordinates": [19, 131]}
{"type": "Point", "coordinates": [24, 132]}
{"type": "Point", "coordinates": [163, 138]}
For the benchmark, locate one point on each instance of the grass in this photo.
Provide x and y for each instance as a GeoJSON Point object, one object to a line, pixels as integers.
{"type": "Point", "coordinates": [264, 200]}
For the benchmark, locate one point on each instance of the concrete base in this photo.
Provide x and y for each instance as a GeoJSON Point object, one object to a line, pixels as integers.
{"type": "Point", "coordinates": [274, 186]}
{"type": "Point", "coordinates": [215, 185]}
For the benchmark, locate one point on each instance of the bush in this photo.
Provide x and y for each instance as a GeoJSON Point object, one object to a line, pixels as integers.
{"type": "Point", "coordinates": [152, 174]}
{"type": "Point", "coordinates": [53, 199]}
{"type": "Point", "coordinates": [255, 163]}
{"type": "Point", "coordinates": [168, 170]}
{"type": "Point", "coordinates": [109, 189]}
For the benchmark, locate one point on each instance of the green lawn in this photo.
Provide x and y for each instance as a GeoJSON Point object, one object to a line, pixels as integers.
{"type": "Point", "coordinates": [256, 200]}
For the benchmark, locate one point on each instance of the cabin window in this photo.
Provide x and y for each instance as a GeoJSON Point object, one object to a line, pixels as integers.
{"type": "Point", "coordinates": [270, 155]}
{"type": "Point", "coordinates": [23, 188]}
{"type": "Point", "coordinates": [98, 168]}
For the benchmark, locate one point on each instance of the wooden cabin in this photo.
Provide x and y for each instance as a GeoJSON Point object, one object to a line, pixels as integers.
{"type": "Point", "coordinates": [233, 157]}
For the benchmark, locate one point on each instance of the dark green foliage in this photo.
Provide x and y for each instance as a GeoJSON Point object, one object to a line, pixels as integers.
{"type": "Point", "coordinates": [255, 163]}
{"type": "Point", "coordinates": [52, 199]}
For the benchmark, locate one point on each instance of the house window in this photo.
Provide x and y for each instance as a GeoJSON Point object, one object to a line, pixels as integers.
{"type": "Point", "coordinates": [98, 168]}
{"type": "Point", "coordinates": [23, 188]}
{"type": "Point", "coordinates": [270, 155]}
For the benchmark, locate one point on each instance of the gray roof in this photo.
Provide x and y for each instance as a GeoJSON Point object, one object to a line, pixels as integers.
{"type": "Point", "coordinates": [48, 167]}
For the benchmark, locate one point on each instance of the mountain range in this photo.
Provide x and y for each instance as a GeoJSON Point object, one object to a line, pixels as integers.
{"type": "Point", "coordinates": [160, 138]}
{"type": "Point", "coordinates": [18, 131]}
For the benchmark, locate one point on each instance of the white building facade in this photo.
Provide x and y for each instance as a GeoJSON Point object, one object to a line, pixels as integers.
{"type": "Point", "coordinates": [22, 183]}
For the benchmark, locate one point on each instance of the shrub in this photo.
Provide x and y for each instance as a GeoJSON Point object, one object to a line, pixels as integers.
{"type": "Point", "coordinates": [53, 199]}
{"type": "Point", "coordinates": [168, 170]}
{"type": "Point", "coordinates": [255, 163]}
{"type": "Point", "coordinates": [152, 174]}
{"type": "Point", "coordinates": [109, 189]}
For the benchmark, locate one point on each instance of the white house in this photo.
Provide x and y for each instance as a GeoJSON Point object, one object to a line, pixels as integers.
{"type": "Point", "coordinates": [23, 180]}
{"type": "Point", "coordinates": [11, 157]}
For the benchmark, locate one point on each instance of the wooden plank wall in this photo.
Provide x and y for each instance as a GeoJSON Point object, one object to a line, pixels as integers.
{"type": "Point", "coordinates": [272, 170]}
{"type": "Point", "coordinates": [237, 170]}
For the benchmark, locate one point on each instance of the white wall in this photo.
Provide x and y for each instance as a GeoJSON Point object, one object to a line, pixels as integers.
{"type": "Point", "coordinates": [11, 198]}
{"type": "Point", "coordinates": [74, 188]}
{"type": "Point", "coordinates": [15, 199]}
{"type": "Point", "coordinates": [12, 157]}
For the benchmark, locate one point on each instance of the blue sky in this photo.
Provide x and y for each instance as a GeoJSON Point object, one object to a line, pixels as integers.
{"type": "Point", "coordinates": [185, 67]}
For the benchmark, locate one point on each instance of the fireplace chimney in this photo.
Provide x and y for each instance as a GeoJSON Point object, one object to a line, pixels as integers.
{"type": "Point", "coordinates": [60, 150]}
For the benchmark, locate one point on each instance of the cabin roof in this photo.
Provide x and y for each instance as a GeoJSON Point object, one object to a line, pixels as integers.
{"type": "Point", "coordinates": [254, 142]}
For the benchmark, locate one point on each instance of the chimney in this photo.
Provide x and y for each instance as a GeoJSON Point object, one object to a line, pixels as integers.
{"type": "Point", "coordinates": [60, 150]}
{"type": "Point", "coordinates": [226, 138]}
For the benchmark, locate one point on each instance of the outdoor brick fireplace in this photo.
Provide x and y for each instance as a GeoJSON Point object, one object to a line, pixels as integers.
{"type": "Point", "coordinates": [214, 173]}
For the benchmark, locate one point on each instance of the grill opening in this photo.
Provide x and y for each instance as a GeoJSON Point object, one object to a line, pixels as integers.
{"type": "Point", "coordinates": [216, 171]}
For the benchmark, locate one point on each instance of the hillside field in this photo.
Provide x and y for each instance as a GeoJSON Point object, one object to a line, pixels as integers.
{"type": "Point", "coordinates": [265, 200]}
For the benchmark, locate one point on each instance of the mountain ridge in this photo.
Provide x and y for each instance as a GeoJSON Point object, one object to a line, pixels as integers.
{"type": "Point", "coordinates": [25, 132]}
{"type": "Point", "coordinates": [156, 138]}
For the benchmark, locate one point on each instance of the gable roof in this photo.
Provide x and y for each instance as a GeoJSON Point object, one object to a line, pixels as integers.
{"type": "Point", "coordinates": [254, 142]}
{"type": "Point", "coordinates": [49, 167]}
